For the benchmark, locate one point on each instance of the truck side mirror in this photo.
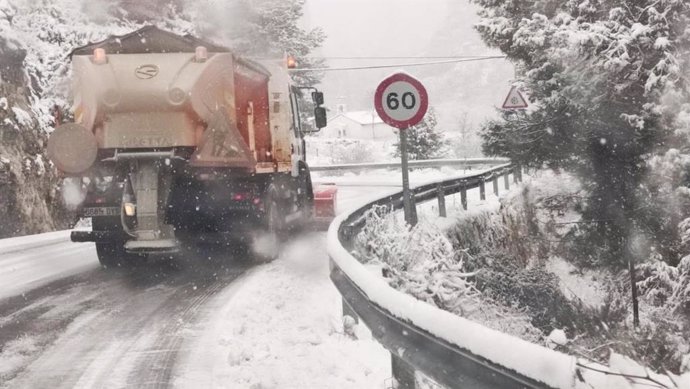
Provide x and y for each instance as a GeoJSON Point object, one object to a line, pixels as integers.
{"type": "Point", "coordinates": [317, 97]}
{"type": "Point", "coordinates": [320, 119]}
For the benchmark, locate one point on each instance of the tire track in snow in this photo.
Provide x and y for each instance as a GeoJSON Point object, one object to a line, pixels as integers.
{"type": "Point", "coordinates": [101, 329]}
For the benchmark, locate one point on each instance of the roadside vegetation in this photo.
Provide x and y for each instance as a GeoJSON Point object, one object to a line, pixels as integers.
{"type": "Point", "coordinates": [517, 267]}
{"type": "Point", "coordinates": [609, 92]}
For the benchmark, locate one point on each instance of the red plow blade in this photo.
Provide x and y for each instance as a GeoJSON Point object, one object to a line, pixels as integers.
{"type": "Point", "coordinates": [325, 197]}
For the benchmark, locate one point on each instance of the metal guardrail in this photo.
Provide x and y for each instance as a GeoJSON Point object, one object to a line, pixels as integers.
{"type": "Point", "coordinates": [464, 163]}
{"type": "Point", "coordinates": [447, 348]}
{"type": "Point", "coordinates": [444, 362]}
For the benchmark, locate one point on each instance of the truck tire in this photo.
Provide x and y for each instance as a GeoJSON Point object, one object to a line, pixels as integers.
{"type": "Point", "coordinates": [265, 243]}
{"type": "Point", "coordinates": [113, 256]}
{"type": "Point", "coordinates": [306, 198]}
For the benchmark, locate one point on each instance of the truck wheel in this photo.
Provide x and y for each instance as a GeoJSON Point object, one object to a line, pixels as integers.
{"type": "Point", "coordinates": [306, 199]}
{"type": "Point", "coordinates": [265, 244]}
{"type": "Point", "coordinates": [113, 256]}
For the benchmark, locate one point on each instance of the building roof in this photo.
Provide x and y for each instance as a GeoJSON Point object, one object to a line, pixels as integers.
{"type": "Point", "coordinates": [362, 117]}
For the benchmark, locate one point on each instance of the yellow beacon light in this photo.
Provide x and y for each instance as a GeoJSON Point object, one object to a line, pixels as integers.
{"type": "Point", "coordinates": [291, 62]}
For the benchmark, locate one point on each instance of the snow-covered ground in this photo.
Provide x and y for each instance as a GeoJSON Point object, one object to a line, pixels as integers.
{"type": "Point", "coordinates": [282, 328]}
{"type": "Point", "coordinates": [391, 177]}
{"type": "Point", "coordinates": [276, 325]}
{"type": "Point", "coordinates": [28, 262]}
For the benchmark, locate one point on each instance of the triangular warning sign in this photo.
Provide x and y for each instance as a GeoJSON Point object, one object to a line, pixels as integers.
{"type": "Point", "coordinates": [514, 100]}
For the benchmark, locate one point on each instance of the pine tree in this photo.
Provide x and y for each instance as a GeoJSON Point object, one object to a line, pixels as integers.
{"type": "Point", "coordinates": [423, 140]}
{"type": "Point", "coordinates": [608, 82]}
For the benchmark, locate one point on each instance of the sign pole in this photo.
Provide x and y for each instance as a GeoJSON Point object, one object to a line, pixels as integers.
{"type": "Point", "coordinates": [408, 204]}
{"type": "Point", "coordinates": [401, 102]}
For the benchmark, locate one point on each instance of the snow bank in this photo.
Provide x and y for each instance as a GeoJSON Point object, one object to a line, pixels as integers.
{"type": "Point", "coordinates": [550, 367]}
{"type": "Point", "coordinates": [280, 327]}
{"type": "Point", "coordinates": [553, 368]}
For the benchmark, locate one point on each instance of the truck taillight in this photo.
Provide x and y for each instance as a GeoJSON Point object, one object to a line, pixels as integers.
{"type": "Point", "coordinates": [99, 56]}
{"type": "Point", "coordinates": [200, 54]}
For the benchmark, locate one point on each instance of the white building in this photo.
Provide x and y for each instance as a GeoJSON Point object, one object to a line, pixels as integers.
{"type": "Point", "coordinates": [358, 125]}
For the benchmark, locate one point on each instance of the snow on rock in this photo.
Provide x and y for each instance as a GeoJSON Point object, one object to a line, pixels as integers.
{"type": "Point", "coordinates": [557, 337]}
{"type": "Point", "coordinates": [281, 327]}
{"type": "Point", "coordinates": [23, 117]}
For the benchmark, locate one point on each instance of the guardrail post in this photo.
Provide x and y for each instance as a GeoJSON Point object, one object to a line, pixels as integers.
{"type": "Point", "coordinates": [506, 180]}
{"type": "Point", "coordinates": [495, 183]}
{"type": "Point", "coordinates": [463, 198]}
{"type": "Point", "coordinates": [402, 373]}
{"type": "Point", "coordinates": [518, 173]}
{"type": "Point", "coordinates": [482, 190]}
{"type": "Point", "coordinates": [440, 193]}
{"type": "Point", "coordinates": [348, 311]}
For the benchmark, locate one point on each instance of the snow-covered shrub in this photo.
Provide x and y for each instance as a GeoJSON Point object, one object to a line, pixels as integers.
{"type": "Point", "coordinates": [511, 230]}
{"type": "Point", "coordinates": [419, 260]}
{"type": "Point", "coordinates": [351, 151]}
{"type": "Point", "coordinates": [422, 261]}
{"type": "Point", "coordinates": [662, 285]}
{"type": "Point", "coordinates": [386, 239]}
{"type": "Point", "coordinates": [535, 290]}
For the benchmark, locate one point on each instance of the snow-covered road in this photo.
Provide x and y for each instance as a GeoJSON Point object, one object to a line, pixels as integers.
{"type": "Point", "coordinates": [28, 262]}
{"type": "Point", "coordinates": [65, 323]}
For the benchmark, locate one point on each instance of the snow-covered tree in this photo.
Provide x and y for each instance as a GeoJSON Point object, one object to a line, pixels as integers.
{"type": "Point", "coordinates": [608, 81]}
{"type": "Point", "coordinates": [423, 140]}
{"type": "Point", "coordinates": [262, 28]}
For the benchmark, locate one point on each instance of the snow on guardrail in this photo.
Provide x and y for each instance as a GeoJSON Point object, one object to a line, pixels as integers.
{"type": "Point", "coordinates": [523, 364]}
{"type": "Point", "coordinates": [467, 162]}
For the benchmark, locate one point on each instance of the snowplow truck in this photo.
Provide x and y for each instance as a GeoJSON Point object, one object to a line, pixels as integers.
{"type": "Point", "coordinates": [176, 140]}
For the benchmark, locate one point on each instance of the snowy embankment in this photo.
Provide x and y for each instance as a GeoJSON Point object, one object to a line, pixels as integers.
{"type": "Point", "coordinates": [282, 329]}
{"type": "Point", "coordinates": [441, 280]}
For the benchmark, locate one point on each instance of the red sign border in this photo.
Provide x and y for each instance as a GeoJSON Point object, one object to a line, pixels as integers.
{"type": "Point", "coordinates": [524, 100]}
{"type": "Point", "coordinates": [423, 96]}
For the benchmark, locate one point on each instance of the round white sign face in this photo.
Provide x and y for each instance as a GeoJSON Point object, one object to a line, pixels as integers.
{"type": "Point", "coordinates": [401, 101]}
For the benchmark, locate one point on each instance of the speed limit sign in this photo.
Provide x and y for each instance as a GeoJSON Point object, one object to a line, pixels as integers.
{"type": "Point", "coordinates": [401, 101]}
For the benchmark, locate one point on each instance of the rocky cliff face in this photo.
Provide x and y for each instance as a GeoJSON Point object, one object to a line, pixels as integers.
{"type": "Point", "coordinates": [29, 188]}
{"type": "Point", "coordinates": [35, 39]}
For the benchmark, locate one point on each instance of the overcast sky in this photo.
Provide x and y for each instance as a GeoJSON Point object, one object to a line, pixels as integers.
{"type": "Point", "coordinates": [375, 27]}
{"type": "Point", "coordinates": [408, 28]}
